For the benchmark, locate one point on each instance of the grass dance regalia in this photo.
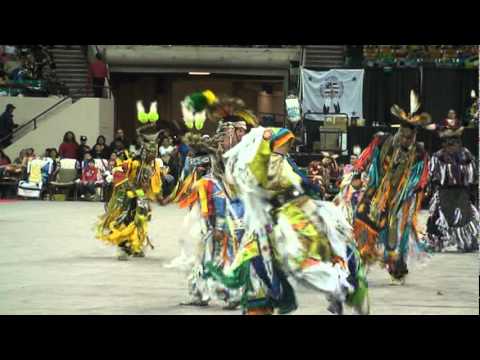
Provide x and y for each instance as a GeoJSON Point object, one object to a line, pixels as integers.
{"type": "Point", "coordinates": [215, 216]}
{"type": "Point", "coordinates": [287, 233]}
{"type": "Point", "coordinates": [453, 218]}
{"type": "Point", "coordinates": [128, 212]}
{"type": "Point", "coordinates": [386, 217]}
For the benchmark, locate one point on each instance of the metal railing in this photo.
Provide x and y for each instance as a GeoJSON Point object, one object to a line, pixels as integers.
{"type": "Point", "coordinates": [33, 121]}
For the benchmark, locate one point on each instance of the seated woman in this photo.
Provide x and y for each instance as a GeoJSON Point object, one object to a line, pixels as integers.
{"type": "Point", "coordinates": [101, 149]}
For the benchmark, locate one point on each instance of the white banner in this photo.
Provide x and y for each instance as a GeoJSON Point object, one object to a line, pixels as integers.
{"type": "Point", "coordinates": [333, 91]}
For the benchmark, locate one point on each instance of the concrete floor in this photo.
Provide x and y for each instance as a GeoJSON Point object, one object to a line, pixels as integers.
{"type": "Point", "coordinates": [50, 263]}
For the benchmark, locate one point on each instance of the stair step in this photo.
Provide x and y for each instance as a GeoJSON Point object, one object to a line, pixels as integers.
{"type": "Point", "coordinates": [70, 58]}
{"type": "Point", "coordinates": [70, 61]}
{"type": "Point", "coordinates": [72, 67]}
{"type": "Point", "coordinates": [71, 83]}
{"type": "Point", "coordinates": [70, 46]}
{"type": "Point", "coordinates": [72, 72]}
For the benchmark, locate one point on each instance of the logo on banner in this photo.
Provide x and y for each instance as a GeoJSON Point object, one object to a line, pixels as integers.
{"type": "Point", "coordinates": [331, 88]}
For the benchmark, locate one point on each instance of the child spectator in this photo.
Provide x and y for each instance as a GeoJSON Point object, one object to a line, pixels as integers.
{"type": "Point", "coordinates": [90, 180]}
{"type": "Point", "coordinates": [86, 158]}
{"type": "Point", "coordinates": [166, 149]}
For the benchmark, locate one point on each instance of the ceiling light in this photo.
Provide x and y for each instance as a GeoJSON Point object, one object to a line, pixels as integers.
{"type": "Point", "coordinates": [198, 73]}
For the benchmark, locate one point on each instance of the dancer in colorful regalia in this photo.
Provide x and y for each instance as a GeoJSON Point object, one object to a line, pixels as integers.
{"type": "Point", "coordinates": [287, 233]}
{"type": "Point", "coordinates": [215, 216]}
{"type": "Point", "coordinates": [386, 225]}
{"type": "Point", "coordinates": [125, 222]}
{"type": "Point", "coordinates": [324, 173]}
{"type": "Point", "coordinates": [195, 110]}
{"type": "Point", "coordinates": [453, 218]}
{"type": "Point", "coordinates": [351, 191]}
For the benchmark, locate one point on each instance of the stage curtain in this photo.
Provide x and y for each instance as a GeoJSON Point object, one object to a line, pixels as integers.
{"type": "Point", "coordinates": [383, 88]}
{"type": "Point", "coordinates": [445, 89]}
{"type": "Point", "coordinates": [442, 89]}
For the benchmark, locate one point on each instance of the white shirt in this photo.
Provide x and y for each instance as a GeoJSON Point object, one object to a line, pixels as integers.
{"type": "Point", "coordinates": [166, 150]}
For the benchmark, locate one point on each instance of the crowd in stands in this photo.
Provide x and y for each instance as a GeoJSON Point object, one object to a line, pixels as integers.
{"type": "Point", "coordinates": [82, 171]}
{"type": "Point", "coordinates": [28, 70]}
{"type": "Point", "coordinates": [382, 56]}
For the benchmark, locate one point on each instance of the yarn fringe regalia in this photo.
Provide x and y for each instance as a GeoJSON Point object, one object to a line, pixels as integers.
{"type": "Point", "coordinates": [125, 222]}
{"type": "Point", "coordinates": [453, 220]}
{"type": "Point", "coordinates": [299, 237]}
{"type": "Point", "coordinates": [386, 217]}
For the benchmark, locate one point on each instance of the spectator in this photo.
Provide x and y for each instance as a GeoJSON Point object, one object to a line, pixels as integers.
{"type": "Point", "coordinates": [101, 150]}
{"type": "Point", "coordinates": [53, 154]}
{"type": "Point", "coordinates": [4, 163]}
{"type": "Point", "coordinates": [83, 148]}
{"type": "Point", "coordinates": [118, 147]}
{"type": "Point", "coordinates": [135, 147]}
{"type": "Point", "coordinates": [17, 169]}
{"type": "Point", "coordinates": [166, 149]}
{"type": "Point", "coordinates": [350, 167]}
{"type": "Point", "coordinates": [112, 162]}
{"type": "Point", "coordinates": [98, 153]}
{"type": "Point", "coordinates": [6, 126]}
{"type": "Point", "coordinates": [69, 148]}
{"type": "Point", "coordinates": [29, 155]}
{"type": "Point", "coordinates": [90, 180]}
{"type": "Point", "coordinates": [86, 158]}
{"type": "Point", "coordinates": [101, 163]}
{"type": "Point", "coordinates": [3, 78]}
{"type": "Point", "coordinates": [120, 135]}
{"type": "Point", "coordinates": [98, 72]}
{"type": "Point", "coordinates": [21, 156]}
{"type": "Point", "coordinates": [4, 159]}
{"type": "Point", "coordinates": [182, 149]}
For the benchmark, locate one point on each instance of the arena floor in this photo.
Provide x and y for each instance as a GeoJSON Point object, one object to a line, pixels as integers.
{"type": "Point", "coordinates": [50, 263]}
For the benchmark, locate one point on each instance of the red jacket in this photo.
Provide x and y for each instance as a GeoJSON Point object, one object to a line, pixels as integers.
{"type": "Point", "coordinates": [90, 175]}
{"type": "Point", "coordinates": [98, 70]}
{"type": "Point", "coordinates": [68, 150]}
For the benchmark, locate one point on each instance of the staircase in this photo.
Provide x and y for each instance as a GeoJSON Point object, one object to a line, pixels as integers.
{"type": "Point", "coordinates": [72, 69]}
{"type": "Point", "coordinates": [323, 56]}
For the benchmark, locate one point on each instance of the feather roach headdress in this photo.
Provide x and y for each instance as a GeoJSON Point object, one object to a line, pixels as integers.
{"type": "Point", "coordinates": [411, 119]}
{"type": "Point", "coordinates": [195, 108]}
{"type": "Point", "coordinates": [148, 132]}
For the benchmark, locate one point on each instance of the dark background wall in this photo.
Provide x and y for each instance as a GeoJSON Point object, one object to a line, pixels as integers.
{"type": "Point", "coordinates": [170, 89]}
{"type": "Point", "coordinates": [440, 90]}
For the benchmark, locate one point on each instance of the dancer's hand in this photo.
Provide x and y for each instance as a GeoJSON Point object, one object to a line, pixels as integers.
{"type": "Point", "coordinates": [267, 134]}
{"type": "Point", "coordinates": [218, 235]}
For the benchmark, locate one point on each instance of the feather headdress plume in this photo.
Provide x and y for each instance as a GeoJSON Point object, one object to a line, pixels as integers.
{"type": "Point", "coordinates": [411, 118]}
{"type": "Point", "coordinates": [142, 115]}
{"type": "Point", "coordinates": [195, 107]}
